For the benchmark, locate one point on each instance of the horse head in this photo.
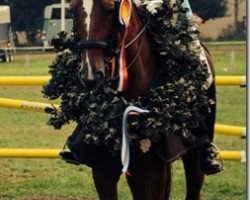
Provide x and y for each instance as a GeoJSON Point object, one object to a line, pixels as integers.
{"type": "Point", "coordinates": [105, 27]}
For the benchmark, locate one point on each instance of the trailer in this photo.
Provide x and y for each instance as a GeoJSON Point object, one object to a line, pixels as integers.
{"type": "Point", "coordinates": [52, 23]}
{"type": "Point", "coordinates": [7, 46]}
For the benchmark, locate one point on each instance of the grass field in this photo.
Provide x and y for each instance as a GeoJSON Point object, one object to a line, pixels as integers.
{"type": "Point", "coordinates": [53, 179]}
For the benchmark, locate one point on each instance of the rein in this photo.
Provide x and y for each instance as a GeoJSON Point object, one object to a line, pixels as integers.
{"type": "Point", "coordinates": [139, 49]}
{"type": "Point", "coordinates": [136, 37]}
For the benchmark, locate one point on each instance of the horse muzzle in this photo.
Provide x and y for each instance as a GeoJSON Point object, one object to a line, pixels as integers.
{"type": "Point", "coordinates": [94, 82]}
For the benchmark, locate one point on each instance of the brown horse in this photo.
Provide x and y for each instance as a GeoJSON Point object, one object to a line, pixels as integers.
{"type": "Point", "coordinates": [150, 177]}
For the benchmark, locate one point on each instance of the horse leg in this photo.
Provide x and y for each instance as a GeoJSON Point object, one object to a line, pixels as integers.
{"type": "Point", "coordinates": [149, 177]}
{"type": "Point", "coordinates": [194, 176]}
{"type": "Point", "coordinates": [106, 183]}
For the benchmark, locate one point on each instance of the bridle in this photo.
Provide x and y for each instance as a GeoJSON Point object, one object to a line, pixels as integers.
{"type": "Point", "coordinates": [112, 47]}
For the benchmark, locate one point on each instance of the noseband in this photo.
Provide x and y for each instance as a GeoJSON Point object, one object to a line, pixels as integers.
{"type": "Point", "coordinates": [88, 44]}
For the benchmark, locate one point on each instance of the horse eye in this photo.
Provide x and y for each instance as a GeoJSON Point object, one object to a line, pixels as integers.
{"type": "Point", "coordinates": [108, 11]}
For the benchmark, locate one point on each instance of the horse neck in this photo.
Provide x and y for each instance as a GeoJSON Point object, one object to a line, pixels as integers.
{"type": "Point", "coordinates": [144, 67]}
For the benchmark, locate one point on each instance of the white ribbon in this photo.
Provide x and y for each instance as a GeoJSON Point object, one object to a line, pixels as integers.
{"type": "Point", "coordinates": [125, 153]}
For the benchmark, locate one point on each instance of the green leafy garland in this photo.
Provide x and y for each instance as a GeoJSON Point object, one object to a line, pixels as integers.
{"type": "Point", "coordinates": [176, 106]}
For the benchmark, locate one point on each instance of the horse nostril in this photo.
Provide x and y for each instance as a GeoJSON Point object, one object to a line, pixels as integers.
{"type": "Point", "coordinates": [80, 74]}
{"type": "Point", "coordinates": [90, 83]}
{"type": "Point", "coordinates": [99, 76]}
{"type": "Point", "coordinates": [81, 77]}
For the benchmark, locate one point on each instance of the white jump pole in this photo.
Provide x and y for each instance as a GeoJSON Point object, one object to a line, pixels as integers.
{"type": "Point", "coordinates": [62, 15]}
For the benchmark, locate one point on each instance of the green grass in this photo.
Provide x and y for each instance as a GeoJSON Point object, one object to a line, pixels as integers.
{"type": "Point", "coordinates": [28, 64]}
{"type": "Point", "coordinates": [54, 179]}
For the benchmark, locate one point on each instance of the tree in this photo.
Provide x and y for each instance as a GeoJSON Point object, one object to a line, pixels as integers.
{"type": "Point", "coordinates": [27, 15]}
{"type": "Point", "coordinates": [209, 9]}
{"type": "Point", "coordinates": [3, 2]}
{"type": "Point", "coordinates": [237, 24]}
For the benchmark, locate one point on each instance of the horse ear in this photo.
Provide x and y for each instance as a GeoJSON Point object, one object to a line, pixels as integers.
{"type": "Point", "coordinates": [125, 10]}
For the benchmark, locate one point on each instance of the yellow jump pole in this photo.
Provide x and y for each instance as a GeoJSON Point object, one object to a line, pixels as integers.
{"type": "Point", "coordinates": [54, 153]}
{"type": "Point", "coordinates": [230, 80]}
{"type": "Point", "coordinates": [39, 107]}
{"type": "Point", "coordinates": [29, 153]}
{"type": "Point", "coordinates": [41, 80]}
{"type": "Point", "coordinates": [233, 155]}
{"type": "Point", "coordinates": [24, 80]}
{"type": "Point", "coordinates": [230, 130]}
{"type": "Point", "coordinates": [24, 105]}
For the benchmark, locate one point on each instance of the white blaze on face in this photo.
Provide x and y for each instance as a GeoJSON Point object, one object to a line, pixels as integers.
{"type": "Point", "coordinates": [88, 6]}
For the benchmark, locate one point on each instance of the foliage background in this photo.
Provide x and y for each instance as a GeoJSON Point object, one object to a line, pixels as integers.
{"type": "Point", "coordinates": [27, 15]}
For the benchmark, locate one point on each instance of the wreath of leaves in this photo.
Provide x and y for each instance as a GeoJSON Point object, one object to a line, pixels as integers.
{"type": "Point", "coordinates": [176, 106]}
